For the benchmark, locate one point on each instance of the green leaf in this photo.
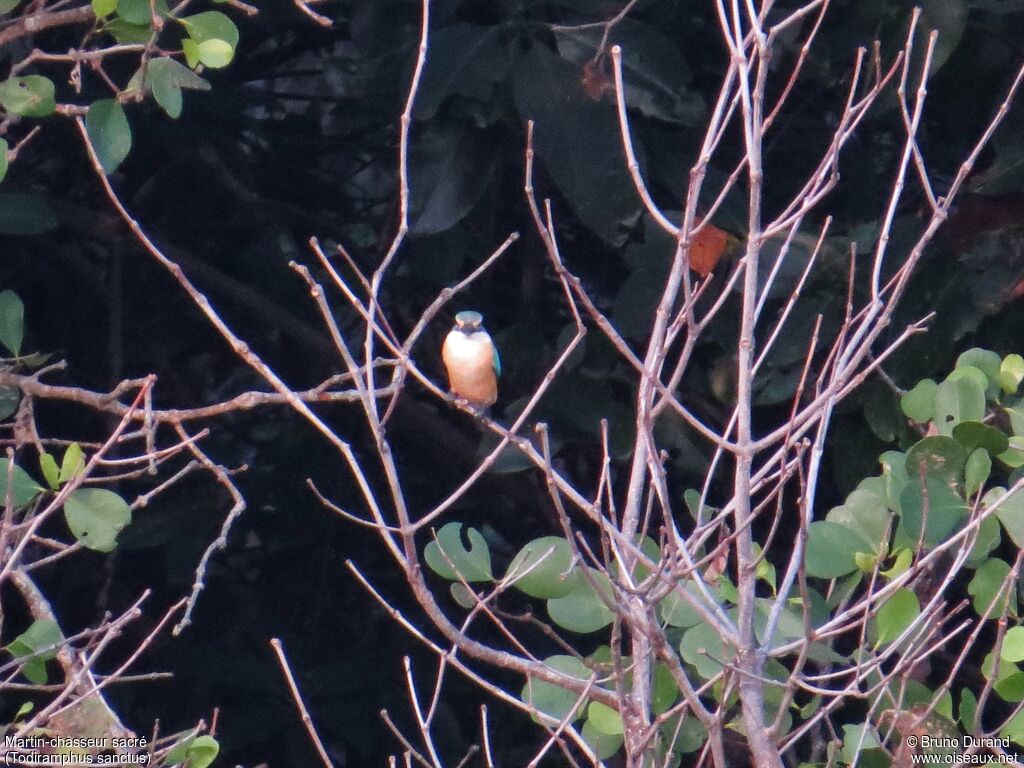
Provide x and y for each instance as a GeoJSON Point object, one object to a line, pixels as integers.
{"type": "Point", "coordinates": [605, 719]}
{"type": "Point", "coordinates": [957, 400]}
{"type": "Point", "coordinates": [900, 565]}
{"type": "Point", "coordinates": [9, 399]}
{"type": "Point", "coordinates": [578, 141]}
{"type": "Point", "coordinates": [51, 473]}
{"type": "Point", "coordinates": [449, 558]}
{"type": "Point", "coordinates": [23, 489]}
{"type": "Point", "coordinates": [43, 633]}
{"type": "Point", "coordinates": [935, 509]}
{"type": "Point", "coordinates": [977, 470]}
{"type": "Point", "coordinates": [858, 739]}
{"type": "Point", "coordinates": [202, 752]}
{"type": "Point", "coordinates": [134, 11]}
{"type": "Point", "coordinates": [95, 517]}
{"type": "Point", "coordinates": [211, 25]}
{"type": "Point", "coordinates": [168, 96]}
{"type": "Point", "coordinates": [1011, 373]}
{"type": "Point", "coordinates": [109, 132]}
{"type": "Point", "coordinates": [604, 745]}
{"type": "Point", "coordinates": [1011, 688]}
{"type": "Point", "coordinates": [989, 537]}
{"type": "Point", "coordinates": [4, 146]}
{"type": "Point", "coordinates": [140, 12]}
{"type": "Point", "coordinates": [72, 464]}
{"type": "Point", "coordinates": [968, 708]}
{"type": "Point", "coordinates": [584, 609]}
{"type": "Point", "coordinates": [12, 321]}
{"type": "Point", "coordinates": [987, 362]}
{"type": "Point", "coordinates": [166, 78]}
{"type": "Point", "coordinates": [831, 549]}
{"type": "Point", "coordinates": [1012, 649]}
{"type": "Point", "coordinates": [882, 413]}
{"type": "Point", "coordinates": [214, 54]}
{"type": "Point", "coordinates": [1014, 729]}
{"type": "Point", "coordinates": [553, 702]}
{"type": "Point", "coordinates": [973, 434]}
{"type": "Point", "coordinates": [465, 59]}
{"type": "Point", "coordinates": [198, 752]}
{"type": "Point", "coordinates": [23, 710]}
{"type": "Point", "coordinates": [664, 690]}
{"type": "Point", "coordinates": [6, 6]}
{"type": "Point", "coordinates": [676, 611]}
{"type": "Point", "coordinates": [896, 614]}
{"type": "Point", "coordinates": [127, 34]}
{"type": "Point", "coordinates": [462, 595]}
{"type": "Point", "coordinates": [1014, 455]}
{"type": "Point", "coordinates": [28, 96]}
{"type": "Point", "coordinates": [449, 170]}
{"type": "Point", "coordinates": [702, 647]}
{"type": "Point", "coordinates": [865, 512]}
{"type": "Point", "coordinates": [1010, 512]}
{"type": "Point", "coordinates": [25, 214]}
{"type": "Point", "coordinates": [103, 7]}
{"type": "Point", "coordinates": [191, 50]}
{"type": "Point", "coordinates": [686, 736]}
{"type": "Point", "coordinates": [545, 564]}
{"type": "Point", "coordinates": [988, 580]}
{"type": "Point", "coordinates": [919, 403]}
{"type": "Point", "coordinates": [789, 627]}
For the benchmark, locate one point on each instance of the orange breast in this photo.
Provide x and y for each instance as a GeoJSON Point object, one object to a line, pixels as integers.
{"type": "Point", "coordinates": [470, 365]}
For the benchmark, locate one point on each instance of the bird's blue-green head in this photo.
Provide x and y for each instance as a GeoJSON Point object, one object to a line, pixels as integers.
{"type": "Point", "coordinates": [469, 321]}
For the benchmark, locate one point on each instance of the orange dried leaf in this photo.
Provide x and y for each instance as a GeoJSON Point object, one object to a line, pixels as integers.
{"type": "Point", "coordinates": [706, 249]}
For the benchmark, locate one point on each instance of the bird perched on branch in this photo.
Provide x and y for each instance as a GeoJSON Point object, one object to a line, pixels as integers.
{"type": "Point", "coordinates": [472, 361]}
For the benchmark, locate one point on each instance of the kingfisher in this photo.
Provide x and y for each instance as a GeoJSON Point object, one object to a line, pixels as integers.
{"type": "Point", "coordinates": [472, 361]}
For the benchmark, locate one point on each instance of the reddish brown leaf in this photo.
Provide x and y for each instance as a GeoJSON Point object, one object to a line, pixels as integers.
{"type": "Point", "coordinates": [596, 82]}
{"type": "Point", "coordinates": [706, 249]}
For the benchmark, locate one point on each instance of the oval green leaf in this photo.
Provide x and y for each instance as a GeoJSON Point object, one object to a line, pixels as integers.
{"type": "Point", "coordinates": [584, 610]}
{"type": "Point", "coordinates": [973, 435]}
{"type": "Point", "coordinates": [1010, 512]}
{"type": "Point", "coordinates": [109, 132]}
{"type": "Point", "coordinates": [215, 54]}
{"type": "Point", "coordinates": [938, 456]}
{"type": "Point", "coordinates": [605, 719]}
{"type": "Point", "coordinates": [28, 96]}
{"type": "Point", "coordinates": [543, 568]}
{"type": "Point", "coordinates": [831, 549]}
{"type": "Point", "coordinates": [976, 470]}
{"type": "Point", "coordinates": [604, 745]}
{"type": "Point", "coordinates": [896, 614]}
{"type": "Point", "coordinates": [551, 701]}
{"type": "Point", "coordinates": [702, 647]}
{"type": "Point", "coordinates": [988, 581]}
{"type": "Point", "coordinates": [23, 487]}
{"type": "Point", "coordinates": [957, 400]}
{"type": "Point", "coordinates": [12, 321]}
{"type": "Point", "coordinates": [211, 25]}
{"type": "Point", "coordinates": [1011, 373]}
{"type": "Point", "coordinates": [1012, 649]}
{"type": "Point", "coordinates": [95, 517]}
{"type": "Point", "coordinates": [933, 508]}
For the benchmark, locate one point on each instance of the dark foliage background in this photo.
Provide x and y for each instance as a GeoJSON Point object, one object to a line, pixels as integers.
{"type": "Point", "coordinates": [298, 138]}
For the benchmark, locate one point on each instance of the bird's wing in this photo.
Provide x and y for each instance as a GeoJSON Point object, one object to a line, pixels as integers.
{"type": "Point", "coordinates": [496, 361]}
